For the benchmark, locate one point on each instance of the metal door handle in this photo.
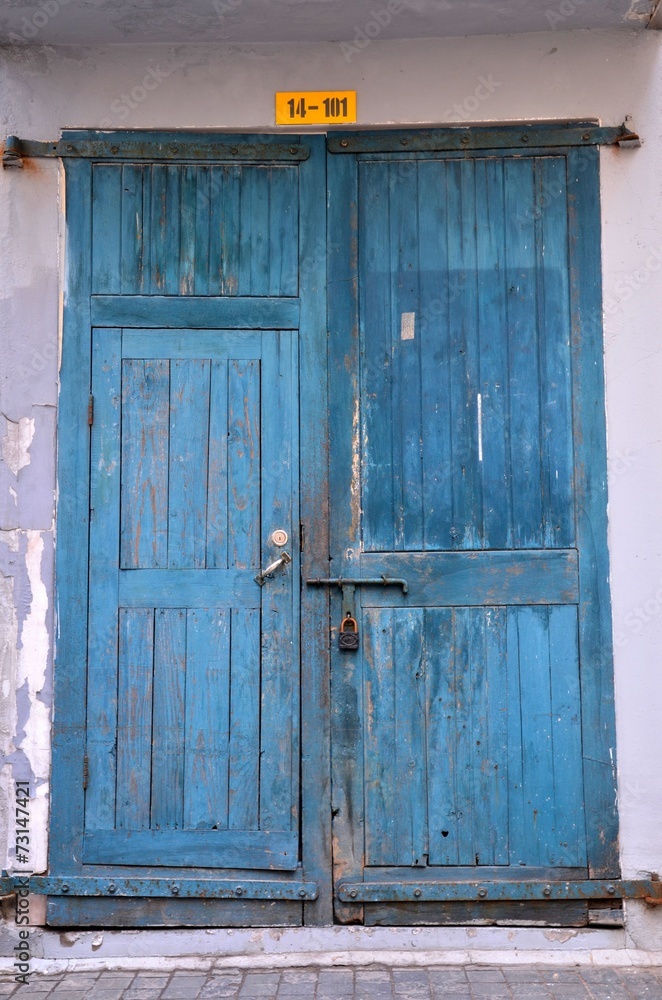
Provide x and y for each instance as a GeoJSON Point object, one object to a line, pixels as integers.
{"type": "Point", "coordinates": [283, 559]}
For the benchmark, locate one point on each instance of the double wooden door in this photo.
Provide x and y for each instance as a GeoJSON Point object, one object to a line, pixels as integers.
{"type": "Point", "coordinates": [219, 759]}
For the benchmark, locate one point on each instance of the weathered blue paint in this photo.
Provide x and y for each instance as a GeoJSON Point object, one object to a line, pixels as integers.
{"type": "Point", "coordinates": [458, 740]}
{"type": "Point", "coordinates": [193, 746]}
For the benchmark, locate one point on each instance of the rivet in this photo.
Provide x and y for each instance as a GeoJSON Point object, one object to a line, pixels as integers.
{"type": "Point", "coordinates": [174, 890]}
{"type": "Point", "coordinates": [611, 889]}
{"type": "Point", "coordinates": [293, 150]}
{"type": "Point", "coordinates": [112, 887]}
{"type": "Point", "coordinates": [403, 142]}
{"type": "Point", "coordinates": [303, 893]}
{"type": "Point", "coordinates": [417, 893]}
{"type": "Point", "coordinates": [353, 893]}
{"type": "Point", "coordinates": [547, 891]}
{"type": "Point", "coordinates": [234, 150]}
{"type": "Point", "coordinates": [482, 893]}
{"type": "Point", "coordinates": [239, 891]}
{"type": "Point", "coordinates": [525, 138]}
{"type": "Point", "coordinates": [464, 140]}
{"type": "Point", "coordinates": [114, 149]}
{"type": "Point", "coordinates": [586, 136]}
{"type": "Point", "coordinates": [65, 888]}
{"type": "Point", "coordinates": [344, 142]}
{"type": "Point", "coordinates": [70, 149]}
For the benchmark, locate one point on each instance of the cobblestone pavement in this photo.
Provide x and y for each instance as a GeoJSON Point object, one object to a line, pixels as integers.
{"type": "Point", "coordinates": [469, 983]}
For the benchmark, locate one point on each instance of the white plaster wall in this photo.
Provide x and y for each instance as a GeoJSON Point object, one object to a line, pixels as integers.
{"type": "Point", "coordinates": [553, 75]}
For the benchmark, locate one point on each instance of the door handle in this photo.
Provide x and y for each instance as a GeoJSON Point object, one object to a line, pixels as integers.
{"type": "Point", "coordinates": [283, 559]}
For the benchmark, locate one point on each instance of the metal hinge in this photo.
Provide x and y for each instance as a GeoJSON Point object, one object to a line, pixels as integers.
{"type": "Point", "coordinates": [90, 411]}
{"type": "Point", "coordinates": [86, 771]}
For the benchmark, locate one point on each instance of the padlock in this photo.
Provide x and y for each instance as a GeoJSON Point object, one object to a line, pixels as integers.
{"type": "Point", "coordinates": [348, 636]}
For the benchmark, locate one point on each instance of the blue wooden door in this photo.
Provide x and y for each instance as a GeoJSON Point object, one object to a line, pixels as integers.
{"type": "Point", "coordinates": [471, 731]}
{"type": "Point", "coordinates": [192, 739]}
{"type": "Point", "coordinates": [193, 306]}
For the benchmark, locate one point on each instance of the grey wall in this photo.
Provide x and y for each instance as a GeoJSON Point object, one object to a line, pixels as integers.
{"type": "Point", "coordinates": [553, 75]}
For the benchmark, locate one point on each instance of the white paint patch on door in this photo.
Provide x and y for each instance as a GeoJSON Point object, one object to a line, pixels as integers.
{"type": "Point", "coordinates": [407, 326]}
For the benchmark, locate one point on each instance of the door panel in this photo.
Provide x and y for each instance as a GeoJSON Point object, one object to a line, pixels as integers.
{"type": "Point", "coordinates": [193, 466]}
{"type": "Point", "coordinates": [458, 745]}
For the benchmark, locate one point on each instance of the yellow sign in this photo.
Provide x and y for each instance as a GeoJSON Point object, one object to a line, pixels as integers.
{"type": "Point", "coordinates": [316, 107]}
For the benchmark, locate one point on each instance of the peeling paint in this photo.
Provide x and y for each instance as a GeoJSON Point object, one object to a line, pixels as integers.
{"type": "Point", "coordinates": [16, 443]}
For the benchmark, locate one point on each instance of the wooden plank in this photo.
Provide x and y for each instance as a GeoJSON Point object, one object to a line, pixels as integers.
{"type": "Point", "coordinates": [244, 461]}
{"type": "Point", "coordinates": [409, 804]}
{"type": "Point", "coordinates": [225, 230]}
{"type": "Point", "coordinates": [217, 495]}
{"type": "Point", "coordinates": [464, 628]}
{"type": "Point", "coordinates": [170, 682]}
{"type": "Point", "coordinates": [401, 269]}
{"type": "Point", "coordinates": [279, 689]}
{"type": "Point", "coordinates": [207, 719]}
{"type": "Point", "coordinates": [202, 239]}
{"type": "Point", "coordinates": [536, 708]}
{"type": "Point", "coordinates": [102, 651]}
{"type": "Point", "coordinates": [314, 533]}
{"type": "Point", "coordinates": [556, 365]}
{"type": "Point", "coordinates": [122, 913]}
{"type": "Point", "coordinates": [437, 296]}
{"type": "Point", "coordinates": [131, 259]}
{"type": "Point", "coordinates": [187, 240]}
{"type": "Point", "coordinates": [187, 464]}
{"type": "Point", "coordinates": [195, 312]}
{"type": "Point", "coordinates": [246, 849]}
{"type": "Point", "coordinates": [70, 679]}
{"type": "Point", "coordinates": [524, 397]}
{"type": "Point", "coordinates": [254, 231]}
{"type": "Point", "coordinates": [134, 719]}
{"type": "Point", "coordinates": [466, 530]}
{"type": "Point", "coordinates": [106, 229]}
{"type": "Point", "coordinates": [379, 738]}
{"type": "Point", "coordinates": [216, 345]}
{"type": "Point", "coordinates": [377, 433]}
{"type": "Point", "coordinates": [534, 913]}
{"type": "Point", "coordinates": [171, 230]}
{"type": "Point", "coordinates": [595, 637]}
{"type": "Point", "coordinates": [158, 231]}
{"type": "Point", "coordinates": [570, 826]}
{"type": "Point", "coordinates": [145, 442]}
{"type": "Point", "coordinates": [445, 579]}
{"type": "Point", "coordinates": [517, 819]}
{"type": "Point", "coordinates": [494, 456]}
{"type": "Point", "coordinates": [284, 230]}
{"type": "Point", "coordinates": [442, 772]}
{"type": "Point", "coordinates": [490, 714]}
{"type": "Point", "coordinates": [244, 767]}
{"type": "Point", "coordinates": [170, 588]}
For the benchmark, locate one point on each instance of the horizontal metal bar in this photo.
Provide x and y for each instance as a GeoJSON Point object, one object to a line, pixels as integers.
{"type": "Point", "coordinates": [186, 888]}
{"type": "Point", "coordinates": [420, 892]}
{"type": "Point", "coordinates": [522, 136]}
{"type": "Point", "coordinates": [364, 581]}
{"type": "Point", "coordinates": [122, 149]}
